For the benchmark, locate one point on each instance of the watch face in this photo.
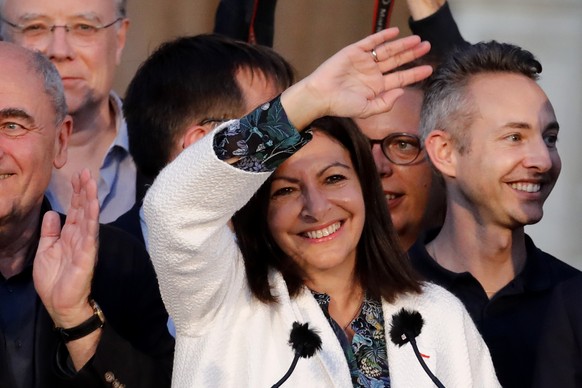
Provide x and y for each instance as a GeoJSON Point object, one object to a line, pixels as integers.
{"type": "Point", "coordinates": [97, 311]}
{"type": "Point", "coordinates": [101, 316]}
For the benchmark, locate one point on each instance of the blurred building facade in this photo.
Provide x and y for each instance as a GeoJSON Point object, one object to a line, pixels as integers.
{"type": "Point", "coordinates": [309, 31]}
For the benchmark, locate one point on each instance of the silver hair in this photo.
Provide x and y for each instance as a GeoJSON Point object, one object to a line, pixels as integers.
{"type": "Point", "coordinates": [449, 106]}
{"type": "Point", "coordinates": [450, 109]}
{"type": "Point", "coordinates": [52, 83]}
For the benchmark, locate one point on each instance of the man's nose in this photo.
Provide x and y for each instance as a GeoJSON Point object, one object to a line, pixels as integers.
{"type": "Point", "coordinates": [383, 165]}
{"type": "Point", "coordinates": [58, 46]}
{"type": "Point", "coordinates": [538, 155]}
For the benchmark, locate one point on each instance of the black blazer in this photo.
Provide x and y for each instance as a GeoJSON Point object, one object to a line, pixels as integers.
{"type": "Point", "coordinates": [129, 221]}
{"type": "Point", "coordinates": [135, 347]}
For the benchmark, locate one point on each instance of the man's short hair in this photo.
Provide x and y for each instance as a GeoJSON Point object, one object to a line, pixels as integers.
{"type": "Point", "coordinates": [447, 105]}
{"type": "Point", "coordinates": [186, 81]}
{"type": "Point", "coordinates": [52, 83]}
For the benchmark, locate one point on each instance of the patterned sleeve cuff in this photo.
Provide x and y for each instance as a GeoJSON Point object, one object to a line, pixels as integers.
{"type": "Point", "coordinates": [262, 140]}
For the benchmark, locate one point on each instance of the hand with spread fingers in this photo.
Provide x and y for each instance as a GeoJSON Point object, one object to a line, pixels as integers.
{"type": "Point", "coordinates": [357, 81]}
{"type": "Point", "coordinates": [65, 260]}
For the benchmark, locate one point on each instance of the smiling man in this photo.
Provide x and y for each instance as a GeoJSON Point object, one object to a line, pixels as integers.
{"type": "Point", "coordinates": [492, 133]}
{"type": "Point", "coordinates": [80, 308]}
{"type": "Point", "coordinates": [84, 40]}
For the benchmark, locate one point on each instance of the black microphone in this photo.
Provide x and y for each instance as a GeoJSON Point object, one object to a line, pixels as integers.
{"type": "Point", "coordinates": [406, 326]}
{"type": "Point", "coordinates": [305, 342]}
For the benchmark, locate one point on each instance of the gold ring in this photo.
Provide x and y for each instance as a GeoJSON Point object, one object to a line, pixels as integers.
{"type": "Point", "coordinates": [374, 55]}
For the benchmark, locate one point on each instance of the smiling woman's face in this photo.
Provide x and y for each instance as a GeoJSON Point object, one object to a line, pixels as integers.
{"type": "Point", "coordinates": [316, 209]}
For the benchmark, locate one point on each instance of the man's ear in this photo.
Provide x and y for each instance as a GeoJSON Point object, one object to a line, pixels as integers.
{"type": "Point", "coordinates": [62, 141]}
{"type": "Point", "coordinates": [441, 151]}
{"type": "Point", "coordinates": [192, 134]}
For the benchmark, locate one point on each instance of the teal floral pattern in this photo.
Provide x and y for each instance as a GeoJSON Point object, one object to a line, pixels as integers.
{"type": "Point", "coordinates": [262, 140]}
{"type": "Point", "coordinates": [366, 354]}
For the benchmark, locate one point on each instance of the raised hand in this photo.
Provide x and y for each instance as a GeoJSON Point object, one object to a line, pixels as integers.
{"type": "Point", "coordinates": [65, 259]}
{"type": "Point", "coordinates": [356, 81]}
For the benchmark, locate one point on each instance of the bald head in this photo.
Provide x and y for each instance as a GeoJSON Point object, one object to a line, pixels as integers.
{"type": "Point", "coordinates": [34, 132]}
{"type": "Point", "coordinates": [34, 63]}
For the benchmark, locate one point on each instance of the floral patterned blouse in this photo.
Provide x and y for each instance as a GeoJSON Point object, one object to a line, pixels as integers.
{"type": "Point", "coordinates": [366, 355]}
{"type": "Point", "coordinates": [261, 140]}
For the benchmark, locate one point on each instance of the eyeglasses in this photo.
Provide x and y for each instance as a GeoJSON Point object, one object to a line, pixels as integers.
{"type": "Point", "coordinates": [79, 34]}
{"type": "Point", "coordinates": [400, 148]}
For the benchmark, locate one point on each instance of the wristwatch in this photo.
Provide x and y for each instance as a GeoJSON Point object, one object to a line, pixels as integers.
{"type": "Point", "coordinates": [96, 321]}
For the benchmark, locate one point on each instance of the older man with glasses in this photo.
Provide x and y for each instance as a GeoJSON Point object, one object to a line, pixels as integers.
{"type": "Point", "coordinates": [84, 39]}
{"type": "Point", "coordinates": [413, 192]}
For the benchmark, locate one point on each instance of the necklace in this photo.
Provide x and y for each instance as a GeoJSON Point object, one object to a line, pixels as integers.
{"type": "Point", "coordinates": [354, 317]}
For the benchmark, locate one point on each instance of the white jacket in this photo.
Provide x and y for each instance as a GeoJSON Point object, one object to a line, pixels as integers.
{"type": "Point", "coordinates": [227, 338]}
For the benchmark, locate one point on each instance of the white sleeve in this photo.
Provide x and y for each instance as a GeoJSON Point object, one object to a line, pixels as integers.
{"type": "Point", "coordinates": [468, 361]}
{"type": "Point", "coordinates": [194, 252]}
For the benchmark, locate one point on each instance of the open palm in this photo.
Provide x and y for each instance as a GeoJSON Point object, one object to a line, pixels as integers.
{"type": "Point", "coordinates": [65, 259]}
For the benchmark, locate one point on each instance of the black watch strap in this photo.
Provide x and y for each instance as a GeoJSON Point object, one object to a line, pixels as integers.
{"type": "Point", "coordinates": [96, 321]}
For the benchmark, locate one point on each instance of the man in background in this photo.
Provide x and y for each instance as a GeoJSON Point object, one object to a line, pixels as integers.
{"type": "Point", "coordinates": [84, 39]}
{"type": "Point", "coordinates": [184, 90]}
{"type": "Point", "coordinates": [414, 193]}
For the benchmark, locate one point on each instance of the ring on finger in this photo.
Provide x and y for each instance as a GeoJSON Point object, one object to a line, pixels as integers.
{"type": "Point", "coordinates": [374, 55]}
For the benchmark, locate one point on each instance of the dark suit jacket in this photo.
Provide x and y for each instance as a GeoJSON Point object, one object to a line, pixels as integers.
{"type": "Point", "coordinates": [130, 222]}
{"type": "Point", "coordinates": [135, 347]}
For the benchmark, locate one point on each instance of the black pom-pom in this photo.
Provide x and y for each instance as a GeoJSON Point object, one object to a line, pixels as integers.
{"type": "Point", "coordinates": [405, 325]}
{"type": "Point", "coordinates": [304, 340]}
